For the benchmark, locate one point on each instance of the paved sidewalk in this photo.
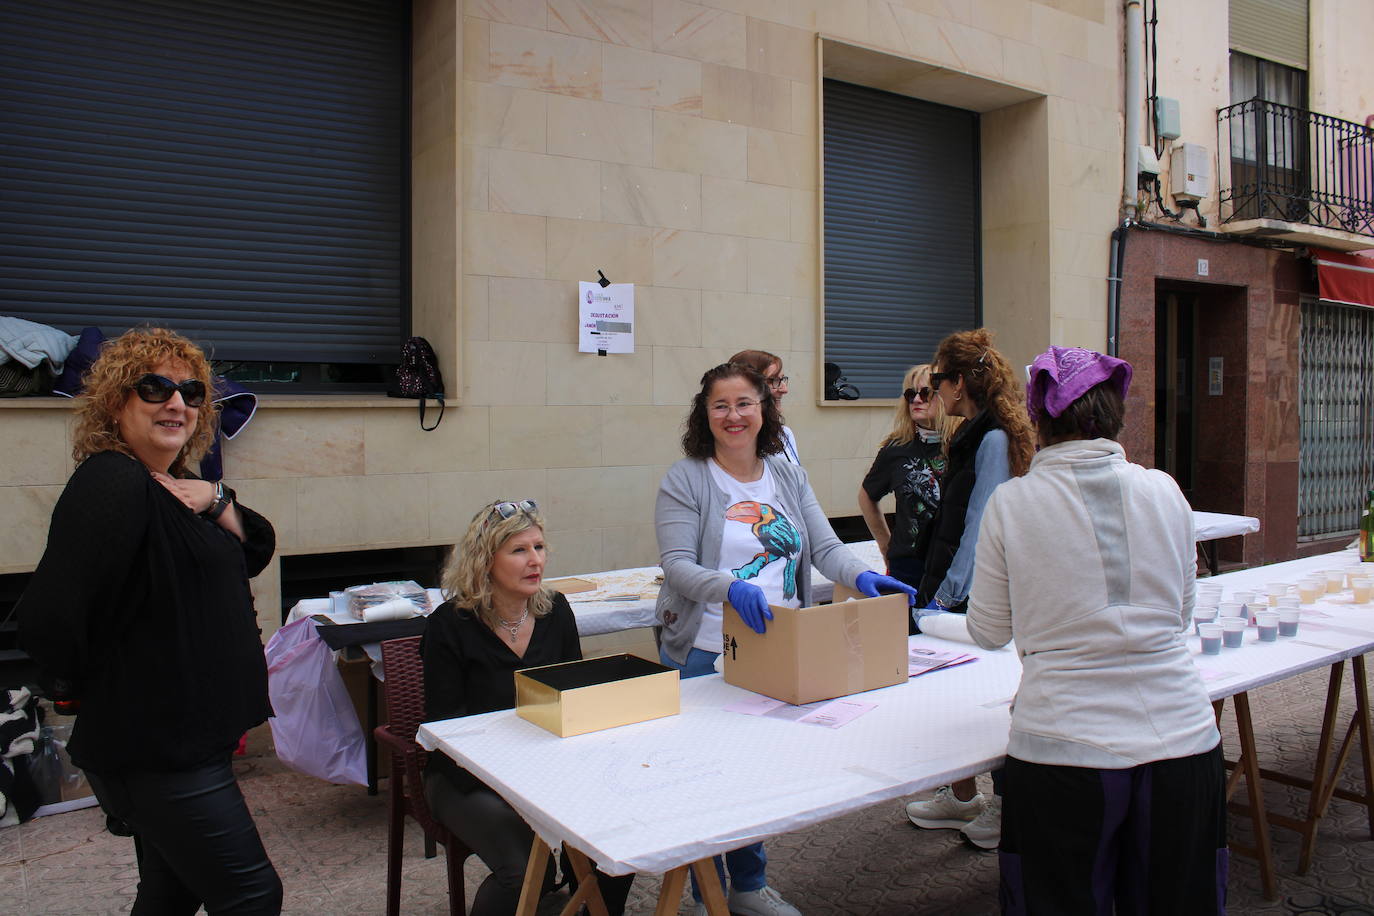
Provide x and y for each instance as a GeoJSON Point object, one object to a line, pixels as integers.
{"type": "Point", "coordinates": [329, 844]}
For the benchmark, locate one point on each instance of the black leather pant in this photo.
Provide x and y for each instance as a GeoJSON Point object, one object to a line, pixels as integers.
{"type": "Point", "coordinates": [196, 843]}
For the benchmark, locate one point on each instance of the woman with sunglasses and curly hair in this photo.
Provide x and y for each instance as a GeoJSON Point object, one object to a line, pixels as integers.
{"type": "Point", "coordinates": [910, 462]}
{"type": "Point", "coordinates": [498, 617]}
{"type": "Point", "coordinates": [140, 609]}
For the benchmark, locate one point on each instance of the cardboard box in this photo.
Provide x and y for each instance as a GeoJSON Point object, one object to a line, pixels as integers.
{"type": "Point", "coordinates": [574, 698]}
{"type": "Point", "coordinates": [821, 652]}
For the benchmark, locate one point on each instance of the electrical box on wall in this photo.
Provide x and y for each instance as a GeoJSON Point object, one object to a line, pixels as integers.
{"type": "Point", "coordinates": [1147, 164]}
{"type": "Point", "coordinates": [1190, 172]}
{"type": "Point", "coordinates": [1166, 119]}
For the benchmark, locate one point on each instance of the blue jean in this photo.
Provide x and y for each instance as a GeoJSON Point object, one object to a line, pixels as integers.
{"type": "Point", "coordinates": [748, 864]}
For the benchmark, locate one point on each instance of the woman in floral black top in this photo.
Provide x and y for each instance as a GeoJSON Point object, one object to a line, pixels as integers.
{"type": "Point", "coordinates": [910, 460]}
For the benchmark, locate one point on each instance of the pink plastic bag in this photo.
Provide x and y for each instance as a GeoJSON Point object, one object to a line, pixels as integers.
{"type": "Point", "coordinates": [315, 728]}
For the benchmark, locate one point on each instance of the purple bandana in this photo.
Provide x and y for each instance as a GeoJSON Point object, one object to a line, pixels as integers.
{"type": "Point", "coordinates": [1061, 375]}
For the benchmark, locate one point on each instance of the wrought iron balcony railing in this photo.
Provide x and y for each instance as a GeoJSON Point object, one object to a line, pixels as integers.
{"type": "Point", "coordinates": [1284, 163]}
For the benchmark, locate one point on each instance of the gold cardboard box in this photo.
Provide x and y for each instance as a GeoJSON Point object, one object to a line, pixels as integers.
{"type": "Point", "coordinates": [574, 698]}
{"type": "Point", "coordinates": [821, 652]}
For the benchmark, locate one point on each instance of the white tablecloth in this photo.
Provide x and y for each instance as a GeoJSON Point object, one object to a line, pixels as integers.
{"type": "Point", "coordinates": [1213, 525]}
{"type": "Point", "coordinates": [655, 795]}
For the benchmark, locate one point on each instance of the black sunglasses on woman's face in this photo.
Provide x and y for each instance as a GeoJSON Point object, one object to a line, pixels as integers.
{"type": "Point", "coordinates": [911, 394]}
{"type": "Point", "coordinates": [157, 389]}
{"type": "Point", "coordinates": [937, 377]}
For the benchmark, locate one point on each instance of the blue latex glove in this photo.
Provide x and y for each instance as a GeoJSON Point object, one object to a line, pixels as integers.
{"type": "Point", "coordinates": [751, 604]}
{"type": "Point", "coordinates": [935, 606]}
{"type": "Point", "coordinates": [874, 584]}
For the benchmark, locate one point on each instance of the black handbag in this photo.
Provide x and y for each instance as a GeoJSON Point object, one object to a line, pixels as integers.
{"type": "Point", "coordinates": [418, 376]}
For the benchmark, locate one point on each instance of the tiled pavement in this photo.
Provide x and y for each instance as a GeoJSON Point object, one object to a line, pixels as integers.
{"type": "Point", "coordinates": [328, 843]}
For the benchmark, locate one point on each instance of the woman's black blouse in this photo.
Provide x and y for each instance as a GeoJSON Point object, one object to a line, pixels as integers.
{"type": "Point", "coordinates": [471, 670]}
{"type": "Point", "coordinates": [144, 607]}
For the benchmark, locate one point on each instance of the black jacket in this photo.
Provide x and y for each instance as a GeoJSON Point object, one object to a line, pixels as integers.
{"type": "Point", "coordinates": [939, 541]}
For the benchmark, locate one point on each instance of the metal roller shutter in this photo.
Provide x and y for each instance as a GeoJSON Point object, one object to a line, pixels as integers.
{"type": "Point", "coordinates": [902, 265]}
{"type": "Point", "coordinates": [1273, 29]}
{"type": "Point", "coordinates": [236, 171]}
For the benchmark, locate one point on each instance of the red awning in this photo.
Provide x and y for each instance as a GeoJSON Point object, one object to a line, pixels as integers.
{"type": "Point", "coordinates": [1346, 278]}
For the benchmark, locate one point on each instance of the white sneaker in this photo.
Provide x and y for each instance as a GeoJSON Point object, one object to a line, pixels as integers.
{"type": "Point", "coordinates": [763, 902]}
{"type": "Point", "coordinates": [944, 810]}
{"type": "Point", "coordinates": [985, 830]}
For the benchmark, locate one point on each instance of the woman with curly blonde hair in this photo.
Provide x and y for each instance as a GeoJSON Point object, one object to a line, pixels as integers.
{"type": "Point", "coordinates": [498, 617]}
{"type": "Point", "coordinates": [910, 462]}
{"type": "Point", "coordinates": [140, 609]}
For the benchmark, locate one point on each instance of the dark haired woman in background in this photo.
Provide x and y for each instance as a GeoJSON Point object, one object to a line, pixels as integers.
{"type": "Point", "coordinates": [1114, 783]}
{"type": "Point", "coordinates": [770, 367]}
{"type": "Point", "coordinates": [994, 444]}
{"type": "Point", "coordinates": [737, 523]}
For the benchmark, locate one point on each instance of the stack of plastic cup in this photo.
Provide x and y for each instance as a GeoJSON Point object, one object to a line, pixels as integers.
{"type": "Point", "coordinates": [1203, 615]}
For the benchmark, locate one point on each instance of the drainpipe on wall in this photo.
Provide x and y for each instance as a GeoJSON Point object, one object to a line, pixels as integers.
{"type": "Point", "coordinates": [1135, 89]}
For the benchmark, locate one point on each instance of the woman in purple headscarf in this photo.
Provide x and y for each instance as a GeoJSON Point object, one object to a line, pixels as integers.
{"type": "Point", "coordinates": [1113, 786]}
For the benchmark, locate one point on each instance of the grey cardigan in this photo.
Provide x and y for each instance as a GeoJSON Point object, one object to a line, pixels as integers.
{"type": "Point", "coordinates": [690, 517]}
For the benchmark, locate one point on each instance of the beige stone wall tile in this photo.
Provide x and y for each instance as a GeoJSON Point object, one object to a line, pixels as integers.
{"type": "Point", "coordinates": [503, 244]}
{"type": "Point", "coordinates": [746, 97]}
{"type": "Point", "coordinates": [601, 131]}
{"type": "Point", "coordinates": [678, 370]}
{"type": "Point", "coordinates": [503, 373]}
{"type": "Point", "coordinates": [454, 498]}
{"type": "Point", "coordinates": [330, 513]}
{"type": "Point", "coordinates": [1007, 19]}
{"type": "Point", "coordinates": [573, 551]}
{"type": "Point", "coordinates": [781, 50]}
{"type": "Point", "coordinates": [842, 18]}
{"type": "Point", "coordinates": [1085, 125]}
{"type": "Point", "coordinates": [700, 261]}
{"type": "Point", "coordinates": [804, 216]}
{"type": "Point", "coordinates": [804, 321]}
{"type": "Point", "coordinates": [545, 185]}
{"type": "Point", "coordinates": [818, 475]}
{"type": "Point", "coordinates": [804, 109]}
{"type": "Point", "coordinates": [700, 33]}
{"type": "Point", "coordinates": [601, 497]}
{"type": "Point", "coordinates": [477, 50]}
{"type": "Point", "coordinates": [782, 159]}
{"type": "Point", "coordinates": [650, 197]}
{"type": "Point", "coordinates": [1015, 165]}
{"type": "Point", "coordinates": [1078, 80]}
{"type": "Point", "coordinates": [667, 317]}
{"type": "Point", "coordinates": [1081, 253]}
{"type": "Point", "coordinates": [649, 80]}
{"type": "Point", "coordinates": [533, 310]}
{"type": "Point", "coordinates": [273, 499]}
{"type": "Point", "coordinates": [1079, 332]}
{"type": "Point", "coordinates": [617, 22]}
{"type": "Point", "coordinates": [395, 509]}
{"type": "Point", "coordinates": [700, 145]}
{"type": "Point", "coordinates": [1083, 167]}
{"type": "Point", "coordinates": [476, 178]}
{"type": "Point", "coordinates": [745, 208]}
{"type": "Point", "coordinates": [298, 443]}
{"type": "Point", "coordinates": [1025, 65]}
{"type": "Point", "coordinates": [266, 591]}
{"type": "Point", "coordinates": [505, 117]}
{"type": "Point", "coordinates": [1076, 297]}
{"type": "Point", "coordinates": [27, 511]}
{"type": "Point", "coordinates": [628, 546]}
{"type": "Point", "coordinates": [537, 437]}
{"type": "Point", "coordinates": [530, 13]}
{"type": "Point", "coordinates": [841, 434]}
{"type": "Point", "coordinates": [846, 475]}
{"type": "Point", "coordinates": [782, 268]}
{"type": "Point", "coordinates": [578, 249]}
{"type": "Point", "coordinates": [641, 435]}
{"type": "Point", "coordinates": [395, 444]}
{"type": "Point", "coordinates": [739, 321]}
{"type": "Point", "coordinates": [919, 36]}
{"type": "Point", "coordinates": [37, 448]}
{"type": "Point", "coordinates": [588, 379]}
{"type": "Point", "coordinates": [476, 317]}
{"type": "Point", "coordinates": [435, 61]}
{"type": "Point", "coordinates": [536, 59]}
{"type": "Point", "coordinates": [1065, 33]}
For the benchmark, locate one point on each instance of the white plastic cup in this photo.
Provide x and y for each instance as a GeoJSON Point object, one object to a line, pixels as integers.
{"type": "Point", "coordinates": [1230, 609]}
{"type": "Point", "coordinates": [1309, 590]}
{"type": "Point", "coordinates": [1364, 590]}
{"type": "Point", "coordinates": [1276, 591]}
{"type": "Point", "coordinates": [1232, 632]}
{"type": "Point", "coordinates": [1335, 580]}
{"type": "Point", "coordinates": [1268, 624]}
{"type": "Point", "coordinates": [1288, 621]}
{"type": "Point", "coordinates": [1203, 615]}
{"type": "Point", "coordinates": [1290, 601]}
{"type": "Point", "coordinates": [1211, 638]}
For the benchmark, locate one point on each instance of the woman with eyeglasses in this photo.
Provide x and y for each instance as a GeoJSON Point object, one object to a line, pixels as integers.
{"type": "Point", "coordinates": [738, 523]}
{"type": "Point", "coordinates": [498, 617]}
{"type": "Point", "coordinates": [995, 443]}
{"type": "Point", "coordinates": [770, 367]}
{"type": "Point", "coordinates": [140, 610]}
{"type": "Point", "coordinates": [910, 462]}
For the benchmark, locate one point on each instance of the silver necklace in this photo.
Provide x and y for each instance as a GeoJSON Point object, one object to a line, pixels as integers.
{"type": "Point", "coordinates": [513, 627]}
